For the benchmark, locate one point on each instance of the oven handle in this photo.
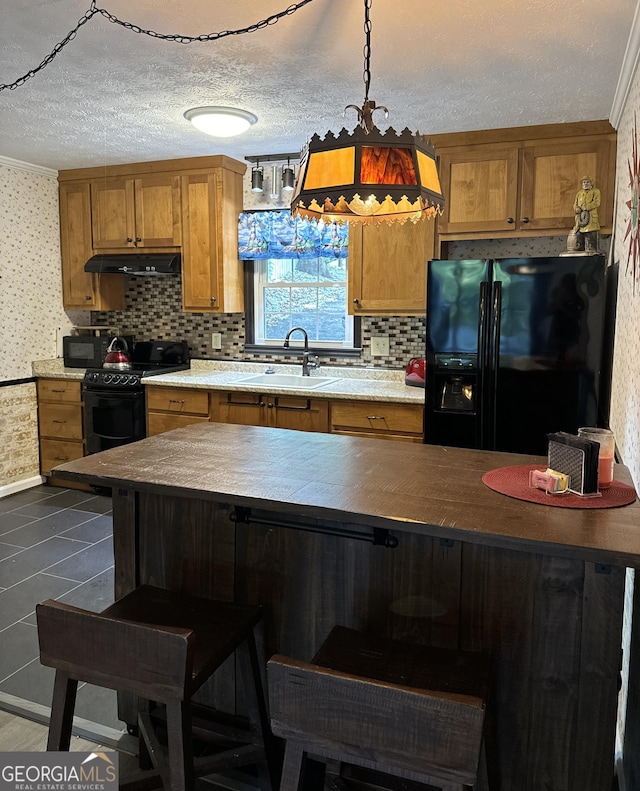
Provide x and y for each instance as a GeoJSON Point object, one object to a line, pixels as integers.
{"type": "Point", "coordinates": [127, 395]}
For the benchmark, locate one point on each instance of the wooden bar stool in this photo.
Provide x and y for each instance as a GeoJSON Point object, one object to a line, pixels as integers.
{"type": "Point", "coordinates": [402, 709]}
{"type": "Point", "coordinates": [160, 646]}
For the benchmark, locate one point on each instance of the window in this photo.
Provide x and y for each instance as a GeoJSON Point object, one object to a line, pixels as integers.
{"type": "Point", "coordinates": [302, 292]}
{"type": "Point", "coordinates": [296, 276]}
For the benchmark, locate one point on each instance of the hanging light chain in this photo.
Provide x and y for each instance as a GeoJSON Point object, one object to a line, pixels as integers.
{"type": "Point", "coordinates": [367, 49]}
{"type": "Point", "coordinates": [178, 38]}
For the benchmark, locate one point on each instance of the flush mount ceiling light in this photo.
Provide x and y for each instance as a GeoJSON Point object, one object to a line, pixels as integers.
{"type": "Point", "coordinates": [368, 176]}
{"type": "Point", "coordinates": [220, 121]}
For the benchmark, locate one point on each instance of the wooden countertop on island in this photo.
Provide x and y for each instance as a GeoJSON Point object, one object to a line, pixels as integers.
{"type": "Point", "coordinates": [400, 487]}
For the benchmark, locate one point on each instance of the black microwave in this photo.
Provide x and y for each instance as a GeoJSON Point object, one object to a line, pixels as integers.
{"type": "Point", "coordinates": [87, 351]}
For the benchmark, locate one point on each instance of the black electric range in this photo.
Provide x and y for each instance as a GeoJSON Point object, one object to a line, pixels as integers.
{"type": "Point", "coordinates": [114, 400]}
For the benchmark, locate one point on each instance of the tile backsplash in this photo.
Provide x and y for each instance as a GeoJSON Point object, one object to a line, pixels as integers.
{"type": "Point", "coordinates": [153, 311]}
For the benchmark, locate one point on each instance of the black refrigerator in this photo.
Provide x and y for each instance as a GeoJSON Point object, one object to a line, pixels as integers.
{"type": "Point", "coordinates": [515, 348]}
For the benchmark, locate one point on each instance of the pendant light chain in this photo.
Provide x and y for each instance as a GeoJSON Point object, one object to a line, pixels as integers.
{"type": "Point", "coordinates": [367, 49]}
{"type": "Point", "coordinates": [178, 38]}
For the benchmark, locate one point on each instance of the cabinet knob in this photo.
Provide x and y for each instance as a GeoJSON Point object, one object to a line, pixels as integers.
{"type": "Point", "coordinates": [128, 239]}
{"type": "Point", "coordinates": [88, 298]}
{"type": "Point", "coordinates": [356, 301]}
{"type": "Point", "coordinates": [270, 406]}
{"type": "Point", "coordinates": [138, 239]}
{"type": "Point", "coordinates": [213, 300]}
{"type": "Point", "coordinates": [525, 219]}
{"type": "Point", "coordinates": [510, 220]}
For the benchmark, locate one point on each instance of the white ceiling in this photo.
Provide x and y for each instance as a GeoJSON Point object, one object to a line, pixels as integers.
{"type": "Point", "coordinates": [113, 96]}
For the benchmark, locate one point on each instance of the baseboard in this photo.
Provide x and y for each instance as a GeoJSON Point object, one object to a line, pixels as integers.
{"type": "Point", "coordinates": [19, 486]}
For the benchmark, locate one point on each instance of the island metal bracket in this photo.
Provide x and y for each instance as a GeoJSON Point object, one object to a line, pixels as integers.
{"type": "Point", "coordinates": [379, 537]}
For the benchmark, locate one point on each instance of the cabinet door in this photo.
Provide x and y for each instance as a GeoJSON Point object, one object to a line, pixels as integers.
{"type": "Point", "coordinates": [157, 211]}
{"type": "Point", "coordinates": [247, 409]}
{"type": "Point", "coordinates": [296, 412]}
{"type": "Point", "coordinates": [112, 213]}
{"type": "Point", "coordinates": [141, 213]}
{"type": "Point", "coordinates": [480, 188]}
{"type": "Point", "coordinates": [551, 177]}
{"type": "Point", "coordinates": [212, 275]}
{"type": "Point", "coordinates": [81, 290]}
{"type": "Point", "coordinates": [388, 268]}
{"type": "Point", "coordinates": [75, 246]}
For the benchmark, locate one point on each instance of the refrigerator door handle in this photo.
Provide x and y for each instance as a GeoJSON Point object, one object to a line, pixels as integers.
{"type": "Point", "coordinates": [483, 352]}
{"type": "Point", "coordinates": [493, 362]}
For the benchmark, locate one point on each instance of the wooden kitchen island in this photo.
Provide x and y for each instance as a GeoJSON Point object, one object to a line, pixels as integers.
{"type": "Point", "coordinates": [398, 539]}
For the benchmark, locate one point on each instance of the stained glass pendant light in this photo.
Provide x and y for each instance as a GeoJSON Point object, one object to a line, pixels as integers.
{"type": "Point", "coordinates": [368, 176]}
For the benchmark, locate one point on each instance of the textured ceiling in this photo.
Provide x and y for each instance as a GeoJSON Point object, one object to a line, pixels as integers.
{"type": "Point", "coordinates": [113, 96]}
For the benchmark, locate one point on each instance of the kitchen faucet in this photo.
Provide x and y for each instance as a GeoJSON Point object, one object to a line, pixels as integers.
{"type": "Point", "coordinates": [309, 361]}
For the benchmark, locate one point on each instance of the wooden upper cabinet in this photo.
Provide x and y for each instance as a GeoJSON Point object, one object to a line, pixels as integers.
{"type": "Point", "coordinates": [212, 275]}
{"type": "Point", "coordinates": [81, 290]}
{"type": "Point", "coordinates": [141, 212]}
{"type": "Point", "coordinates": [480, 189]}
{"type": "Point", "coordinates": [523, 187]}
{"type": "Point", "coordinates": [388, 266]}
{"type": "Point", "coordinates": [551, 177]}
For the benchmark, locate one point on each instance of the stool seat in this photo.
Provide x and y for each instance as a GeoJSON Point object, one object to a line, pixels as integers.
{"type": "Point", "coordinates": [402, 709]}
{"type": "Point", "coordinates": [160, 646]}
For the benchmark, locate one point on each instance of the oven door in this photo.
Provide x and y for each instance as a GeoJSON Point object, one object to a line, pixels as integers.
{"type": "Point", "coordinates": [112, 418]}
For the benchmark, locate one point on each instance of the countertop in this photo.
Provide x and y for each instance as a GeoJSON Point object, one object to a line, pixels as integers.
{"type": "Point", "coordinates": [400, 486]}
{"type": "Point", "coordinates": [349, 383]}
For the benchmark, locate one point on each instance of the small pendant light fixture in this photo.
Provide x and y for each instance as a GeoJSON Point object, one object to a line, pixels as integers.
{"type": "Point", "coordinates": [288, 177]}
{"type": "Point", "coordinates": [257, 178]}
{"type": "Point", "coordinates": [368, 176]}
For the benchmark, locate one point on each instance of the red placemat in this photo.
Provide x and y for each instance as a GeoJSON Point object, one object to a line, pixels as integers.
{"type": "Point", "coordinates": [514, 482]}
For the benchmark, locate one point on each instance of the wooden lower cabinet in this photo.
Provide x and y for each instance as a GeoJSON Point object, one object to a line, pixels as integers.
{"type": "Point", "coordinates": [278, 411]}
{"type": "Point", "coordinates": [175, 407]}
{"type": "Point", "coordinates": [377, 419]}
{"type": "Point", "coordinates": [60, 422]}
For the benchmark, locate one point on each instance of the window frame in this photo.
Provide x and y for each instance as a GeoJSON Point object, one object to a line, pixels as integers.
{"type": "Point", "coordinates": [251, 274]}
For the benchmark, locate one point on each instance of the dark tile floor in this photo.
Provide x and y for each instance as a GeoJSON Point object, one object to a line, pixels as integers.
{"type": "Point", "coordinates": [54, 543]}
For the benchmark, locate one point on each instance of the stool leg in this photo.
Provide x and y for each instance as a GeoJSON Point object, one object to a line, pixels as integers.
{"type": "Point", "coordinates": [257, 710]}
{"type": "Point", "coordinates": [292, 766]}
{"type": "Point", "coordinates": [181, 771]}
{"type": "Point", "coordinates": [62, 708]}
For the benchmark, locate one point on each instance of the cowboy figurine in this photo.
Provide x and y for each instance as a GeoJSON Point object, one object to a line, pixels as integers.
{"type": "Point", "coordinates": [584, 235]}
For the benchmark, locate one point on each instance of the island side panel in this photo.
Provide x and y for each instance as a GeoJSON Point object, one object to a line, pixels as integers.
{"type": "Point", "coordinates": [601, 635]}
{"type": "Point", "coordinates": [554, 688]}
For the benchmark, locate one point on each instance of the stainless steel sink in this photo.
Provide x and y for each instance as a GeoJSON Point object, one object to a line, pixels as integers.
{"type": "Point", "coordinates": [298, 382]}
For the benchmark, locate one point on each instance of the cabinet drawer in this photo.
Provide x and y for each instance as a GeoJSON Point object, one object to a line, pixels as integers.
{"type": "Point", "coordinates": [178, 399]}
{"type": "Point", "coordinates": [54, 452]}
{"type": "Point", "coordinates": [62, 421]}
{"type": "Point", "coordinates": [62, 390]}
{"type": "Point", "coordinates": [376, 417]}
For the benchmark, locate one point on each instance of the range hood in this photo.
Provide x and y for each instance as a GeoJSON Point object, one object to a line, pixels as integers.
{"type": "Point", "coordinates": [143, 264]}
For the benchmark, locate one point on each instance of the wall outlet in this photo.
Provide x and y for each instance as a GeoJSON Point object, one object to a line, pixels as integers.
{"type": "Point", "coordinates": [380, 346]}
{"type": "Point", "coordinates": [216, 340]}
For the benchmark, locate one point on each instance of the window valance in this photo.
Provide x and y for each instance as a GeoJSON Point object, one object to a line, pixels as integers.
{"type": "Point", "coordinates": [276, 234]}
